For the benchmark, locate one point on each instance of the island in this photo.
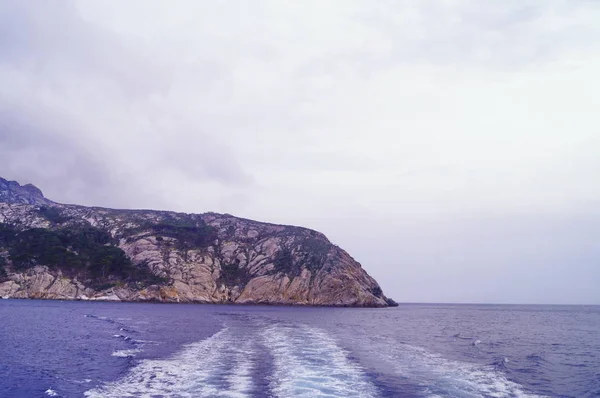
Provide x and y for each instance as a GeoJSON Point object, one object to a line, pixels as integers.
{"type": "Point", "coordinates": [59, 251]}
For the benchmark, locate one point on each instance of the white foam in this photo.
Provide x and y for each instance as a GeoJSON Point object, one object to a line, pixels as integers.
{"type": "Point", "coordinates": [125, 353]}
{"type": "Point", "coordinates": [309, 363]}
{"type": "Point", "coordinates": [216, 367]}
{"type": "Point", "coordinates": [443, 377]}
{"type": "Point", "coordinates": [152, 342]}
{"type": "Point", "coordinates": [240, 379]}
{"type": "Point", "coordinates": [51, 393]}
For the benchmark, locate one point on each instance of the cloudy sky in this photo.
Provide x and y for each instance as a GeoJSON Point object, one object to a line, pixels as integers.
{"type": "Point", "coordinates": [451, 146]}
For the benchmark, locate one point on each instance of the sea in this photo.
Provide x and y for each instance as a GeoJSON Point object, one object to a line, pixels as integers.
{"type": "Point", "coordinates": [99, 349]}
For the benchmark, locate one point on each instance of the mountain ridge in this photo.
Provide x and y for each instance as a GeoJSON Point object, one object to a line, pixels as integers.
{"type": "Point", "coordinates": [58, 251]}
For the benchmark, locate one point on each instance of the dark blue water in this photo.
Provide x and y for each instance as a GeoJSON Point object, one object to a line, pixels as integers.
{"type": "Point", "coordinates": [74, 349]}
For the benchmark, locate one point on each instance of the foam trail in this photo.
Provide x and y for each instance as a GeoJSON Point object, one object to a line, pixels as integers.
{"type": "Point", "coordinates": [442, 377]}
{"type": "Point", "coordinates": [216, 367]}
{"type": "Point", "coordinates": [240, 379]}
{"type": "Point", "coordinates": [309, 363]}
{"type": "Point", "coordinates": [126, 353]}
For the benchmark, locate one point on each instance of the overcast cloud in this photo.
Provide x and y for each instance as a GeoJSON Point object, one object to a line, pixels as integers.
{"type": "Point", "coordinates": [452, 147]}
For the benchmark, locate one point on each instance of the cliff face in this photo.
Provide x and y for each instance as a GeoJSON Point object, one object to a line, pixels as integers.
{"type": "Point", "coordinates": [55, 251]}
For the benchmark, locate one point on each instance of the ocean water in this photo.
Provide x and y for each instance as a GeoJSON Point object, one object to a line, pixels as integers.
{"type": "Point", "coordinates": [83, 349]}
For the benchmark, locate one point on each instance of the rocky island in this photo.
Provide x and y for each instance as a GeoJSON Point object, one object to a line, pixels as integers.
{"type": "Point", "coordinates": [50, 250]}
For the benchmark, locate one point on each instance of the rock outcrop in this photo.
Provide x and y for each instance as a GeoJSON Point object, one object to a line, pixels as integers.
{"type": "Point", "coordinates": [13, 192]}
{"type": "Point", "coordinates": [85, 253]}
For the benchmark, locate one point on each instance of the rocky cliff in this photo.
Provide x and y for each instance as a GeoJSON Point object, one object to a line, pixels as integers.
{"type": "Point", "coordinates": [56, 251]}
{"type": "Point", "coordinates": [13, 192]}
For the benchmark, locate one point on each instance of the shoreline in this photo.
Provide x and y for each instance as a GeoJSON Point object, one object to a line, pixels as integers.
{"type": "Point", "coordinates": [231, 303]}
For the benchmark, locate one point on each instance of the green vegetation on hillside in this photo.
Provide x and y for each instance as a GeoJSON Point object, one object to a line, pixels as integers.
{"type": "Point", "coordinates": [310, 253]}
{"type": "Point", "coordinates": [284, 262]}
{"type": "Point", "coordinates": [53, 214]}
{"type": "Point", "coordinates": [232, 274]}
{"type": "Point", "coordinates": [3, 274]}
{"type": "Point", "coordinates": [187, 234]}
{"type": "Point", "coordinates": [82, 251]}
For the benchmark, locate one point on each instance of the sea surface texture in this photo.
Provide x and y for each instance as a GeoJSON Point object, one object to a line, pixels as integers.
{"type": "Point", "coordinates": [84, 349]}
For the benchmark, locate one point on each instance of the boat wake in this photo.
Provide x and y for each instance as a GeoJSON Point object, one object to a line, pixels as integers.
{"type": "Point", "coordinates": [279, 359]}
{"type": "Point", "coordinates": [309, 363]}
{"type": "Point", "coordinates": [306, 362]}
{"type": "Point", "coordinates": [441, 377]}
{"type": "Point", "coordinates": [215, 367]}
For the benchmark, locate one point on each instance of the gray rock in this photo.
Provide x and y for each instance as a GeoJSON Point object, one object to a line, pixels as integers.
{"type": "Point", "coordinates": [13, 192]}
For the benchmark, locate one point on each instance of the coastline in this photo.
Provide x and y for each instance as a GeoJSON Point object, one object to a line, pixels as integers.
{"type": "Point", "coordinates": [201, 302]}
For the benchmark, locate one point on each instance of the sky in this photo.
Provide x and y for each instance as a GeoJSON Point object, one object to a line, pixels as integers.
{"type": "Point", "coordinates": [452, 146]}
